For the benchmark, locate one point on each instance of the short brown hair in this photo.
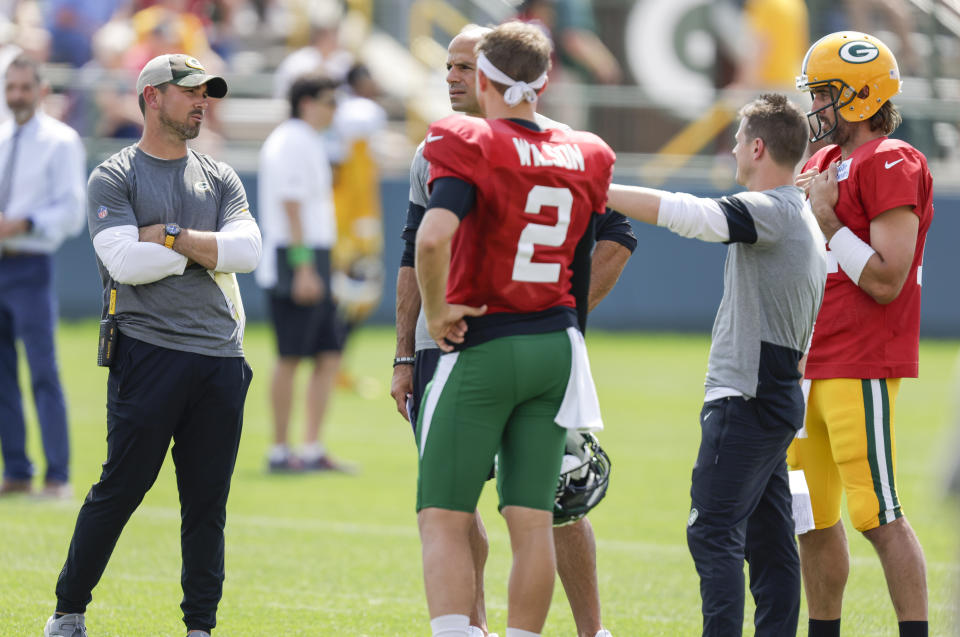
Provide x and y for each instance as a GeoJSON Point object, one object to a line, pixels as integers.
{"type": "Point", "coordinates": [780, 124]}
{"type": "Point", "coordinates": [143, 103]}
{"type": "Point", "coordinates": [886, 119]}
{"type": "Point", "coordinates": [520, 50]}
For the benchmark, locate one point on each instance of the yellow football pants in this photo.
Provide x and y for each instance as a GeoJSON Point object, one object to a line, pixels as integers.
{"type": "Point", "coordinates": [850, 447]}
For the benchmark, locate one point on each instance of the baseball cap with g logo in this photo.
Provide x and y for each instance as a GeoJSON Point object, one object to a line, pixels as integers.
{"type": "Point", "coordinates": [181, 70]}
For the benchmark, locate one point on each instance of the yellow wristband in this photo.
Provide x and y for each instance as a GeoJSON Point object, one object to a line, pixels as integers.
{"type": "Point", "coordinates": [168, 241]}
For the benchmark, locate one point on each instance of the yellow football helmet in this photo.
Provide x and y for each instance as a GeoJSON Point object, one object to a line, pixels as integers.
{"type": "Point", "coordinates": [859, 66]}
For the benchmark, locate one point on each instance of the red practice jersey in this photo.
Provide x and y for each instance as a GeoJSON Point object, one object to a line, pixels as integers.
{"type": "Point", "coordinates": [535, 192]}
{"type": "Point", "coordinates": [856, 337]}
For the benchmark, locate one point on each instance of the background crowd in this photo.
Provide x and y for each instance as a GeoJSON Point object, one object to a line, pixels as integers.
{"type": "Point", "coordinates": [607, 67]}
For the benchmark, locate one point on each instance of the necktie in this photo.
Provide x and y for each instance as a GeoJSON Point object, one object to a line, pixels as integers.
{"type": "Point", "coordinates": [6, 180]}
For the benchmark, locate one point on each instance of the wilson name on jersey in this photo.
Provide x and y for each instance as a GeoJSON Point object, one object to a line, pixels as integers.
{"type": "Point", "coordinates": [535, 194]}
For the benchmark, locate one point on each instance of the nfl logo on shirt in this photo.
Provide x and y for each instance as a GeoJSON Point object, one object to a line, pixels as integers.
{"type": "Point", "coordinates": [101, 212]}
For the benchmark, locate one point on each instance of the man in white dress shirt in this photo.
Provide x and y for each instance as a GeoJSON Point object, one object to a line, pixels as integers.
{"type": "Point", "coordinates": [41, 204]}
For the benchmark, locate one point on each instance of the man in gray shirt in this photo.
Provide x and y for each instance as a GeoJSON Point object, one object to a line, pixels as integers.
{"type": "Point", "coordinates": [773, 285]}
{"type": "Point", "coordinates": [170, 227]}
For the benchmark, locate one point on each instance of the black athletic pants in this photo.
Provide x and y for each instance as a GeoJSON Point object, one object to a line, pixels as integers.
{"type": "Point", "coordinates": [742, 509]}
{"type": "Point", "coordinates": [154, 395]}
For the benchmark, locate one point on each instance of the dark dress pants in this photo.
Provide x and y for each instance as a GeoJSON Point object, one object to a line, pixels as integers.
{"type": "Point", "coordinates": [28, 313]}
{"type": "Point", "coordinates": [742, 510]}
{"type": "Point", "coordinates": [154, 395]}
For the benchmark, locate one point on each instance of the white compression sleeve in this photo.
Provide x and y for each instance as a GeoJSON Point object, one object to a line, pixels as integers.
{"type": "Point", "coordinates": [693, 217]}
{"type": "Point", "coordinates": [132, 262]}
{"type": "Point", "coordinates": [239, 246]}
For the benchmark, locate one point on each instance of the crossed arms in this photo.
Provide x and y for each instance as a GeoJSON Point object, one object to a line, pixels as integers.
{"type": "Point", "coordinates": [135, 256]}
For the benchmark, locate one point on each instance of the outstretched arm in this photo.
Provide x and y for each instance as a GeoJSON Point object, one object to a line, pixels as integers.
{"type": "Point", "coordinates": [681, 213]}
{"type": "Point", "coordinates": [642, 204]}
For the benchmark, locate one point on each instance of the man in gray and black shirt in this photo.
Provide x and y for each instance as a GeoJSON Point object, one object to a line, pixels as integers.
{"type": "Point", "coordinates": [170, 227]}
{"type": "Point", "coordinates": [753, 405]}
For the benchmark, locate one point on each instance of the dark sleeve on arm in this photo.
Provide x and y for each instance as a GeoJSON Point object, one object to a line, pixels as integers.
{"type": "Point", "coordinates": [414, 217]}
{"type": "Point", "coordinates": [409, 256]}
{"type": "Point", "coordinates": [739, 220]}
{"type": "Point", "coordinates": [580, 273]}
{"type": "Point", "coordinates": [409, 235]}
{"type": "Point", "coordinates": [613, 226]}
{"type": "Point", "coordinates": [456, 195]}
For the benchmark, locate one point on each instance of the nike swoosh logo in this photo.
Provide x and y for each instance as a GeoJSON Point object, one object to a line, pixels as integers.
{"type": "Point", "coordinates": [891, 164]}
{"type": "Point", "coordinates": [433, 138]}
{"type": "Point", "coordinates": [707, 417]}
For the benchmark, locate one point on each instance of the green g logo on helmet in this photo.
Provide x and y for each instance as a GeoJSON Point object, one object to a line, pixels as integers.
{"type": "Point", "coordinates": [859, 69]}
{"type": "Point", "coordinates": [859, 52]}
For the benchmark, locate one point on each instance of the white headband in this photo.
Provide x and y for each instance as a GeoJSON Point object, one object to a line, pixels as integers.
{"type": "Point", "coordinates": [516, 91]}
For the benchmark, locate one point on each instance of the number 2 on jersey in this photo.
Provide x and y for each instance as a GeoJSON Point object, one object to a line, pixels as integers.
{"type": "Point", "coordinates": [524, 269]}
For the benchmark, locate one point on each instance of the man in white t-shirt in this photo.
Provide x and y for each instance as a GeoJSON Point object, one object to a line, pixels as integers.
{"type": "Point", "coordinates": [299, 229]}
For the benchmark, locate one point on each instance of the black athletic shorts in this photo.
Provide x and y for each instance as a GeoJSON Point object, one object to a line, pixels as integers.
{"type": "Point", "coordinates": [306, 330]}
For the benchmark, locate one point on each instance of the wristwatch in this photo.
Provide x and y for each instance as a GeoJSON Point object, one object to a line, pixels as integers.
{"type": "Point", "coordinates": [171, 231]}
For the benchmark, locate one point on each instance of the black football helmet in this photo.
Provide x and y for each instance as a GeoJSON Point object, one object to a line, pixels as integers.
{"type": "Point", "coordinates": [584, 477]}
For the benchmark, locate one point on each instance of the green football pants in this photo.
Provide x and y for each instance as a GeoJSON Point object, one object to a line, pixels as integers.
{"type": "Point", "coordinates": [499, 398]}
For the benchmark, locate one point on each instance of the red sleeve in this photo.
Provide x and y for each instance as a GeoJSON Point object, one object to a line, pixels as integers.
{"type": "Point", "coordinates": [606, 176]}
{"type": "Point", "coordinates": [891, 178]}
{"type": "Point", "coordinates": [601, 161]}
{"type": "Point", "coordinates": [453, 149]}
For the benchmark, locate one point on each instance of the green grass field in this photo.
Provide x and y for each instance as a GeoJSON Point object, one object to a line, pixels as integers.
{"type": "Point", "coordinates": [339, 555]}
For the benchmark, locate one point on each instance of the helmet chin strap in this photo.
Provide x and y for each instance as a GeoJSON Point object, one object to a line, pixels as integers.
{"type": "Point", "coordinates": [813, 116]}
{"type": "Point", "coordinates": [836, 106]}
